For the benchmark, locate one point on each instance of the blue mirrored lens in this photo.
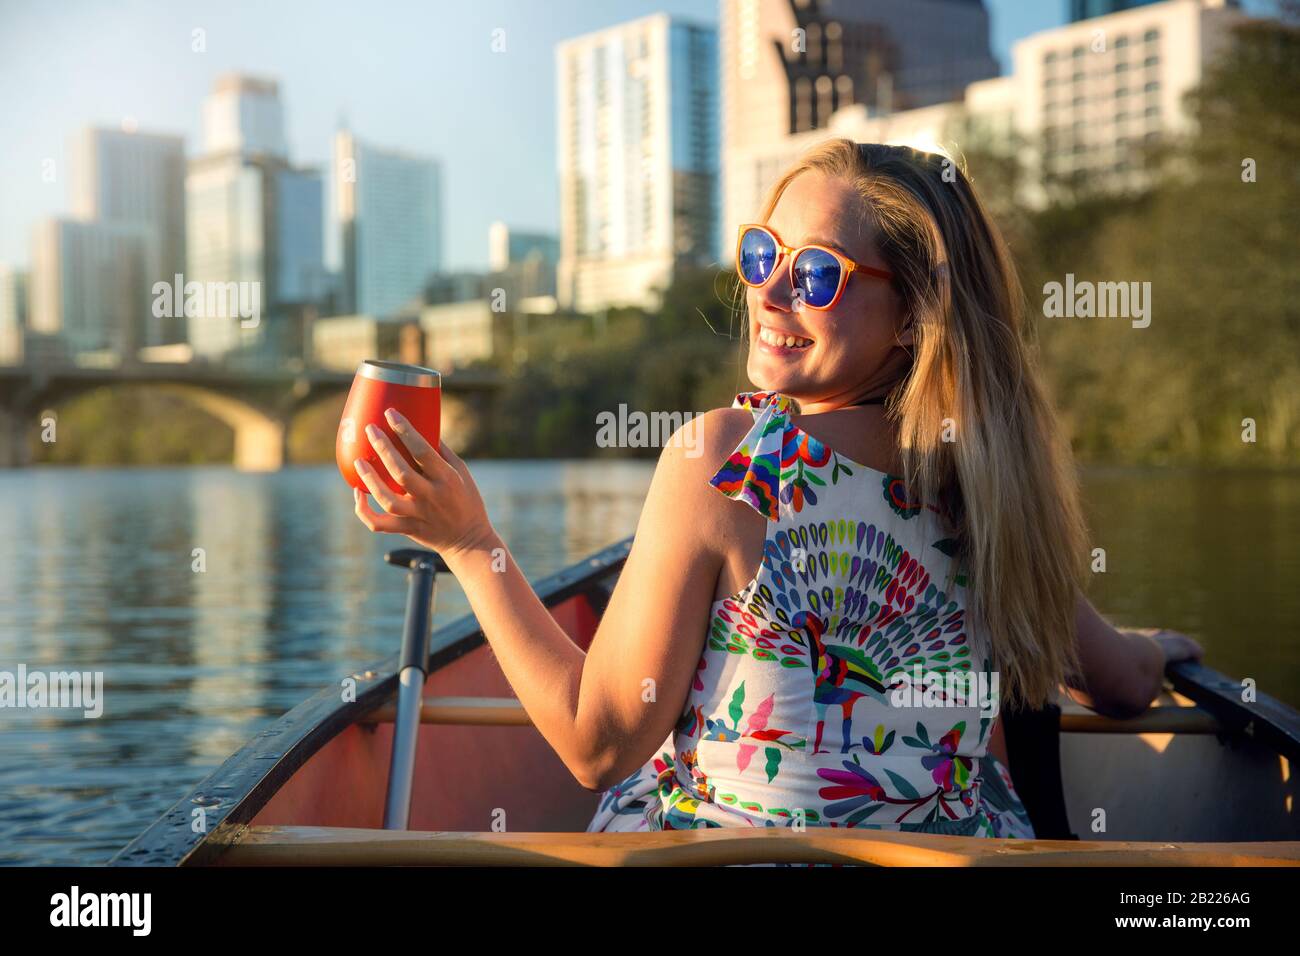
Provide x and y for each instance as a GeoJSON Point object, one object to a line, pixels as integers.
{"type": "Point", "coordinates": [757, 257]}
{"type": "Point", "coordinates": [817, 276]}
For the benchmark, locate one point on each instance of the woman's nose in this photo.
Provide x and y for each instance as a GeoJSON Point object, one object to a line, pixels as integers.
{"type": "Point", "coordinates": [776, 295]}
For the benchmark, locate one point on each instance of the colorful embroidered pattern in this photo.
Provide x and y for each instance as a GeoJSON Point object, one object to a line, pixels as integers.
{"type": "Point", "coordinates": [753, 471]}
{"type": "Point", "coordinates": [792, 713]}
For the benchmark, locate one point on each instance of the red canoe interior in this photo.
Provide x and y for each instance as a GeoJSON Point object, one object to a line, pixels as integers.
{"type": "Point", "coordinates": [468, 778]}
{"type": "Point", "coordinates": [465, 777]}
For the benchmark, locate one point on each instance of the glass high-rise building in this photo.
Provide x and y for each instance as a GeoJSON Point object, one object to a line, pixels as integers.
{"type": "Point", "coordinates": [638, 157]}
{"type": "Point", "coordinates": [90, 283]}
{"type": "Point", "coordinates": [253, 218]}
{"type": "Point", "coordinates": [123, 178]}
{"type": "Point", "coordinates": [524, 261]}
{"type": "Point", "coordinates": [243, 114]}
{"type": "Point", "coordinates": [389, 208]}
{"type": "Point", "coordinates": [1087, 9]}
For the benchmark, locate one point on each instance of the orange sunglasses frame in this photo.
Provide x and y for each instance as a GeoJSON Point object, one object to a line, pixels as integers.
{"type": "Point", "coordinates": [847, 265]}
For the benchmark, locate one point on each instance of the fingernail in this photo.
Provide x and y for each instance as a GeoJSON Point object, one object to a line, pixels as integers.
{"type": "Point", "coordinates": [372, 431]}
{"type": "Point", "coordinates": [360, 465]}
{"type": "Point", "coordinates": [391, 415]}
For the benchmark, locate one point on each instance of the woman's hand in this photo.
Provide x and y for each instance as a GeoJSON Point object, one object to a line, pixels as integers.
{"type": "Point", "coordinates": [441, 509]}
{"type": "Point", "coordinates": [1123, 669]}
{"type": "Point", "coordinates": [1176, 646]}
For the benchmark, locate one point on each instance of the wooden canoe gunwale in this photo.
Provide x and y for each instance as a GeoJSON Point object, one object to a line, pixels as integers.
{"type": "Point", "coordinates": [1268, 720]}
{"type": "Point", "coordinates": [509, 712]}
{"type": "Point", "coordinates": [727, 846]}
{"type": "Point", "coordinates": [233, 793]}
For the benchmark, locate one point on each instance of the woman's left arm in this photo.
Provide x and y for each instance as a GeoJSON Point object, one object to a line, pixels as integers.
{"type": "Point", "coordinates": [1123, 669]}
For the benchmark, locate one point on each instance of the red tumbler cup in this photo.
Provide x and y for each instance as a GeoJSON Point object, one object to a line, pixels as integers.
{"type": "Point", "coordinates": [414, 391]}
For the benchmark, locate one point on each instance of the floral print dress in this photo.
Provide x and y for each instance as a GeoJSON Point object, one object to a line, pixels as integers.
{"type": "Point", "coordinates": [791, 714]}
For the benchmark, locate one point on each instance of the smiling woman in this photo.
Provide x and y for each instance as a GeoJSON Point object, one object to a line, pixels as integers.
{"type": "Point", "coordinates": [911, 515]}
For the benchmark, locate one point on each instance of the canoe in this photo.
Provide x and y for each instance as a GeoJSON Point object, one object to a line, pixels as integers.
{"type": "Point", "coordinates": [1202, 778]}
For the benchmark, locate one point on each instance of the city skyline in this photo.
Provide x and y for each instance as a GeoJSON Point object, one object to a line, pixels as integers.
{"type": "Point", "coordinates": [162, 89]}
{"type": "Point", "coordinates": [640, 169]}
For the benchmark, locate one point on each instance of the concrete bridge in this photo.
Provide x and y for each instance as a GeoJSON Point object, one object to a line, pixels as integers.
{"type": "Point", "coordinates": [259, 405]}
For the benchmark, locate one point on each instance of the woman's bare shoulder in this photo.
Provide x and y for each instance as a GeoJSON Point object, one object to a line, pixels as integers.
{"type": "Point", "coordinates": [685, 518]}
{"type": "Point", "coordinates": [694, 454]}
{"type": "Point", "coordinates": [710, 437]}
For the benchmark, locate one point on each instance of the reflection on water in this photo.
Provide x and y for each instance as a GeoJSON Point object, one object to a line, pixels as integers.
{"type": "Point", "coordinates": [96, 573]}
{"type": "Point", "coordinates": [1213, 554]}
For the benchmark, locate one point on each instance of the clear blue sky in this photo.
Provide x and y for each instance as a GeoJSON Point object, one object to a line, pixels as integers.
{"type": "Point", "coordinates": [416, 76]}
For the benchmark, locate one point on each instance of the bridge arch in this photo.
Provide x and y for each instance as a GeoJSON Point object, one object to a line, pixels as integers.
{"type": "Point", "coordinates": [259, 410]}
{"type": "Point", "coordinates": [261, 437]}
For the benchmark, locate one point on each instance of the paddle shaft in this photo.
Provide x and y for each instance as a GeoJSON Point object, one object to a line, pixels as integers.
{"type": "Point", "coordinates": [421, 580]}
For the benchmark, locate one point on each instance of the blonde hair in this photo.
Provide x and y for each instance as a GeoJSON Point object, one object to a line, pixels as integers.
{"type": "Point", "coordinates": [1007, 485]}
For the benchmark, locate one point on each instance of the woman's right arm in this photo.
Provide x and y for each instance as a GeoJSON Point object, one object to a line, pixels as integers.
{"type": "Point", "coordinates": [1123, 670]}
{"type": "Point", "coordinates": [646, 652]}
{"type": "Point", "coordinates": [604, 712]}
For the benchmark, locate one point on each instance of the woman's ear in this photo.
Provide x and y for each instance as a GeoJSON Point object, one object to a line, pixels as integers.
{"type": "Point", "coordinates": [904, 333]}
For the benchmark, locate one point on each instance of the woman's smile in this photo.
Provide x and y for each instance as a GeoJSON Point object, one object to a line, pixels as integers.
{"type": "Point", "coordinates": [777, 341]}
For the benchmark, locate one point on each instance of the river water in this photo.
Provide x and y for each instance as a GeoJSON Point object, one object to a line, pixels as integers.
{"type": "Point", "coordinates": [98, 572]}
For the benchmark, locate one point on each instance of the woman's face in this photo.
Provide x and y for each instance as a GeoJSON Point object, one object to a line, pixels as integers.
{"type": "Point", "coordinates": [855, 350]}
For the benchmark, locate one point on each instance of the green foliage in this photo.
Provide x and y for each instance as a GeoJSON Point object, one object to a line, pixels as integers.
{"type": "Point", "coordinates": [1220, 256]}
{"type": "Point", "coordinates": [567, 369]}
{"type": "Point", "coordinates": [134, 425]}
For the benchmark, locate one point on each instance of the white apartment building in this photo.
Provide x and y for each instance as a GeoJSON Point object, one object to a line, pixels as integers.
{"type": "Point", "coordinates": [89, 283]}
{"type": "Point", "coordinates": [638, 148]}
{"type": "Point", "coordinates": [1091, 93]}
{"type": "Point", "coordinates": [389, 208]}
{"type": "Point", "coordinates": [136, 179]}
{"type": "Point", "coordinates": [1082, 99]}
{"type": "Point", "coordinates": [937, 128]}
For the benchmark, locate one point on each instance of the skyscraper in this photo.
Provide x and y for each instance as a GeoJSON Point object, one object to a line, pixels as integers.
{"type": "Point", "coordinates": [243, 114]}
{"type": "Point", "coordinates": [1081, 104]}
{"type": "Point", "coordinates": [137, 179]}
{"type": "Point", "coordinates": [389, 207]}
{"type": "Point", "coordinates": [523, 261]}
{"type": "Point", "coordinates": [788, 65]}
{"type": "Point", "coordinates": [89, 284]}
{"type": "Point", "coordinates": [253, 218]}
{"type": "Point", "coordinates": [638, 158]}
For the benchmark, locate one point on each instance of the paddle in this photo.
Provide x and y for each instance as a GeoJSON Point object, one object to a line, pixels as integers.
{"type": "Point", "coordinates": [422, 572]}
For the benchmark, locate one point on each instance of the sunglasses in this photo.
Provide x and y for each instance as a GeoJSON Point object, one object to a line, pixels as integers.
{"type": "Point", "coordinates": [817, 274]}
